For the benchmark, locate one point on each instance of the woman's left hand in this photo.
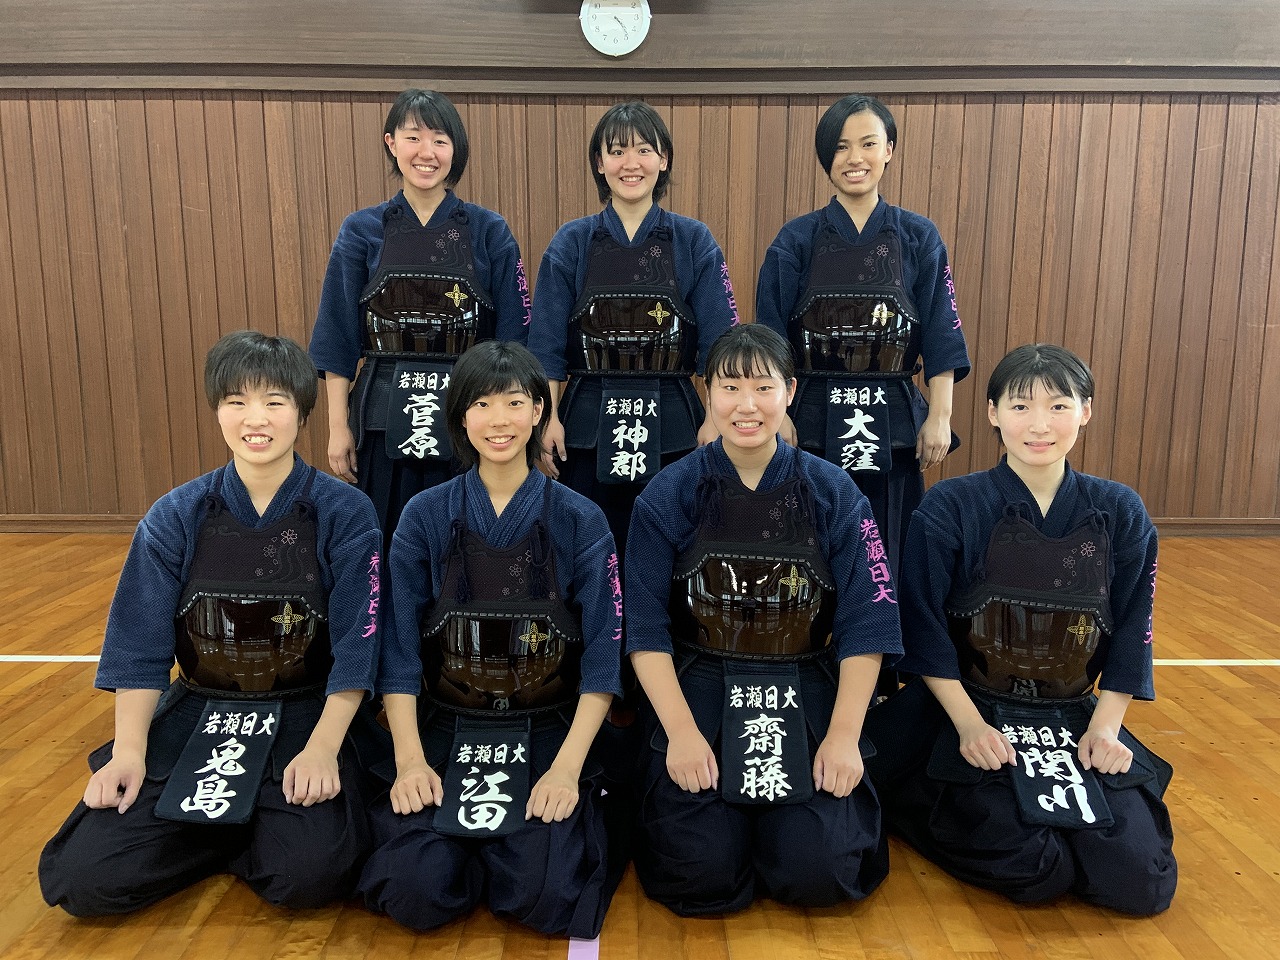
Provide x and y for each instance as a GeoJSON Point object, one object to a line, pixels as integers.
{"type": "Point", "coordinates": [1101, 750]}
{"type": "Point", "coordinates": [837, 768]}
{"type": "Point", "coordinates": [553, 797]}
{"type": "Point", "coordinates": [934, 441]}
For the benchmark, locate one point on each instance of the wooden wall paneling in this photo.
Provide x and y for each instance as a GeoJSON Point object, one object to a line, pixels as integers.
{"type": "Point", "coordinates": [995, 336]}
{"type": "Point", "coordinates": [916, 168]}
{"type": "Point", "coordinates": [772, 175]}
{"type": "Point", "coordinates": [914, 142]}
{"type": "Point", "coordinates": [1260, 322]}
{"type": "Point", "coordinates": [570, 176]}
{"type": "Point", "coordinates": [1110, 319]}
{"type": "Point", "coordinates": [686, 143]}
{"type": "Point", "coordinates": [84, 335]}
{"type": "Point", "coordinates": [742, 181]}
{"type": "Point", "coordinates": [807, 186]}
{"type": "Point", "coordinates": [53, 156]}
{"type": "Point", "coordinates": [285, 255]}
{"type": "Point", "coordinates": [482, 168]}
{"type": "Point", "coordinates": [174, 328]}
{"type": "Point", "coordinates": [339, 144]}
{"type": "Point", "coordinates": [318, 221]}
{"type": "Point", "coordinates": [195, 209]}
{"type": "Point", "coordinates": [1032, 187]}
{"type": "Point", "coordinates": [373, 180]}
{"type": "Point", "coordinates": [17, 494]}
{"type": "Point", "coordinates": [34, 331]}
{"type": "Point", "coordinates": [226, 216]}
{"type": "Point", "coordinates": [119, 348]}
{"type": "Point", "coordinates": [1175, 220]}
{"type": "Point", "coordinates": [943, 210]}
{"type": "Point", "coordinates": [1064, 160]}
{"type": "Point", "coordinates": [714, 165]}
{"type": "Point", "coordinates": [544, 149]}
{"type": "Point", "coordinates": [519, 172]}
{"type": "Point", "coordinates": [1086, 246]}
{"type": "Point", "coordinates": [1137, 311]}
{"type": "Point", "coordinates": [1225, 317]}
{"type": "Point", "coordinates": [255, 203]}
{"type": "Point", "coordinates": [967, 266]}
{"type": "Point", "coordinates": [142, 319]}
{"type": "Point", "coordinates": [1188, 393]}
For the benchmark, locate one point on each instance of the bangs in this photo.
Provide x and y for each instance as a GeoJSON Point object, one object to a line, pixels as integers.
{"type": "Point", "coordinates": [625, 131]}
{"type": "Point", "coordinates": [1050, 378]}
{"type": "Point", "coordinates": [743, 363]}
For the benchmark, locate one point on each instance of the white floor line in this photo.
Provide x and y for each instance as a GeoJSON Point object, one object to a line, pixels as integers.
{"type": "Point", "coordinates": [584, 949]}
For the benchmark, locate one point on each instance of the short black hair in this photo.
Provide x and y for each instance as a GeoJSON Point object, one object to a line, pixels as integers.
{"type": "Point", "coordinates": [750, 350]}
{"type": "Point", "coordinates": [247, 358]}
{"type": "Point", "coordinates": [1040, 363]}
{"type": "Point", "coordinates": [626, 123]}
{"type": "Point", "coordinates": [433, 111]}
{"type": "Point", "coordinates": [831, 125]}
{"type": "Point", "coordinates": [494, 366]}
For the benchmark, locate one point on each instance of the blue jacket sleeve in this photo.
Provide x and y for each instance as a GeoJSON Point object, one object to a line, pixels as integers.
{"type": "Point", "coordinates": [943, 345]}
{"type": "Point", "coordinates": [929, 564]}
{"type": "Point", "coordinates": [778, 288]}
{"type": "Point", "coordinates": [1129, 666]}
{"type": "Point", "coordinates": [866, 617]}
{"type": "Point", "coordinates": [708, 289]}
{"type": "Point", "coordinates": [337, 338]}
{"type": "Point", "coordinates": [556, 293]}
{"type": "Point", "coordinates": [508, 286]}
{"type": "Point", "coordinates": [351, 554]}
{"type": "Point", "coordinates": [138, 648]}
{"type": "Point", "coordinates": [596, 589]}
{"type": "Point", "coordinates": [414, 587]}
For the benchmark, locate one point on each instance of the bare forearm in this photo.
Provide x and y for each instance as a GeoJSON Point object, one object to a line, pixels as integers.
{"type": "Point", "coordinates": [1109, 714]}
{"type": "Point", "coordinates": [955, 700]}
{"type": "Point", "coordinates": [402, 718]}
{"type": "Point", "coordinates": [336, 391]}
{"type": "Point", "coordinates": [941, 393]}
{"type": "Point", "coordinates": [657, 674]}
{"type": "Point", "coordinates": [591, 711]}
{"type": "Point", "coordinates": [134, 710]}
{"type": "Point", "coordinates": [853, 693]}
{"type": "Point", "coordinates": [332, 726]}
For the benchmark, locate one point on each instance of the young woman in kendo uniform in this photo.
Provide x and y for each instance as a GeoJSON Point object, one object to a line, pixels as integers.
{"type": "Point", "coordinates": [411, 284]}
{"type": "Point", "coordinates": [759, 607]}
{"type": "Point", "coordinates": [1025, 587]}
{"type": "Point", "coordinates": [863, 291]}
{"type": "Point", "coordinates": [262, 580]}
{"type": "Point", "coordinates": [501, 660]}
{"type": "Point", "coordinates": [626, 305]}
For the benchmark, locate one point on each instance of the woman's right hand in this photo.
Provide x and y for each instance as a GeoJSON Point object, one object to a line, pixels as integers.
{"type": "Point", "coordinates": [553, 447]}
{"type": "Point", "coordinates": [416, 787]}
{"type": "Point", "coordinates": [985, 747]}
{"type": "Point", "coordinates": [342, 452]}
{"type": "Point", "coordinates": [691, 761]}
{"type": "Point", "coordinates": [116, 784]}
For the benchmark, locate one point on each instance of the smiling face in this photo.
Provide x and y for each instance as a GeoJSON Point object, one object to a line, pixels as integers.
{"type": "Point", "coordinates": [499, 426]}
{"type": "Point", "coordinates": [861, 155]}
{"type": "Point", "coordinates": [1039, 426]}
{"type": "Point", "coordinates": [631, 170]}
{"type": "Point", "coordinates": [748, 410]}
{"type": "Point", "coordinates": [423, 156]}
{"type": "Point", "coordinates": [260, 426]}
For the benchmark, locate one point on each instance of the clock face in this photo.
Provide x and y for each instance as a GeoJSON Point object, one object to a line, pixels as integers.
{"type": "Point", "coordinates": [615, 27]}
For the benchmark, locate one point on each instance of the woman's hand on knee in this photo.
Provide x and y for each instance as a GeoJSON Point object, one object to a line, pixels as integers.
{"type": "Point", "coordinates": [116, 784]}
{"type": "Point", "coordinates": [691, 761]}
{"type": "Point", "coordinates": [553, 797]}
{"type": "Point", "coordinates": [416, 788]}
{"type": "Point", "coordinates": [837, 767]}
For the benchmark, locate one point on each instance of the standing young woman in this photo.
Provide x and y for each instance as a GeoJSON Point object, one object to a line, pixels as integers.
{"type": "Point", "coordinates": [1024, 586]}
{"type": "Point", "coordinates": [627, 303]}
{"type": "Point", "coordinates": [411, 284]}
{"type": "Point", "coordinates": [863, 292]}
{"type": "Point", "coordinates": [507, 617]}
{"type": "Point", "coordinates": [758, 610]}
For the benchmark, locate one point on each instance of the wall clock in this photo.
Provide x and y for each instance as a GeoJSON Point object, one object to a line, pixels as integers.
{"type": "Point", "coordinates": [615, 27]}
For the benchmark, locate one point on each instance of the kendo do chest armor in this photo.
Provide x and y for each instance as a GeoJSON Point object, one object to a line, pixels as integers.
{"type": "Point", "coordinates": [630, 316]}
{"type": "Point", "coordinates": [424, 299]}
{"type": "Point", "coordinates": [855, 316]}
{"type": "Point", "coordinates": [253, 617]}
{"type": "Point", "coordinates": [500, 636]}
{"type": "Point", "coordinates": [754, 583]}
{"type": "Point", "coordinates": [1037, 621]}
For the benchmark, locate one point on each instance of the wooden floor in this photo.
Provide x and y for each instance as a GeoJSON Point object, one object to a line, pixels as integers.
{"type": "Point", "coordinates": [1218, 725]}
